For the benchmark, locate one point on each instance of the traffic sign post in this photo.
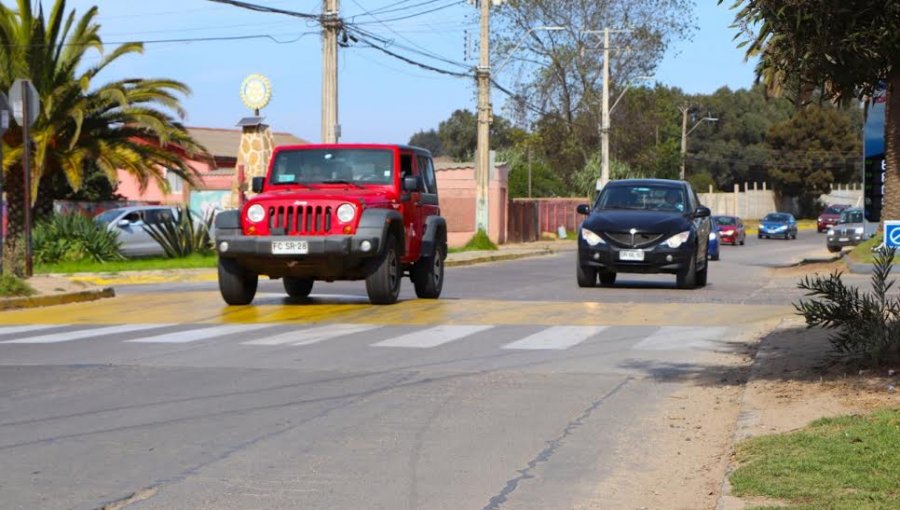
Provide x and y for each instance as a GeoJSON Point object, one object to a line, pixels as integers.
{"type": "Point", "coordinates": [892, 234]}
{"type": "Point", "coordinates": [25, 102]}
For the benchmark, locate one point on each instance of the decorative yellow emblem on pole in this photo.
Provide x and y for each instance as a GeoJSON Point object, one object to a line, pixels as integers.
{"type": "Point", "coordinates": [256, 91]}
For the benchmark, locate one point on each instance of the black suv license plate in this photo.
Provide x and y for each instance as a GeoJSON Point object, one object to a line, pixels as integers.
{"type": "Point", "coordinates": [632, 255]}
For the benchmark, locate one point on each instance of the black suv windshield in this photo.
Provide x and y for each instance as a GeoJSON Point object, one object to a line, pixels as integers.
{"type": "Point", "coordinates": [351, 166]}
{"type": "Point", "coordinates": [642, 197]}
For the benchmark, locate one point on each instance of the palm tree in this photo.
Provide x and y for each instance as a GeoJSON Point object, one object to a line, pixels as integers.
{"type": "Point", "coordinates": [129, 124]}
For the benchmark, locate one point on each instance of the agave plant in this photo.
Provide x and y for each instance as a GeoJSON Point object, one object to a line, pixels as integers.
{"type": "Point", "coordinates": [73, 237]}
{"type": "Point", "coordinates": [182, 236]}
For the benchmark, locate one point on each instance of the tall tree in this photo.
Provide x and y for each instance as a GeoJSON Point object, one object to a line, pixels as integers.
{"type": "Point", "coordinates": [844, 48]}
{"type": "Point", "coordinates": [459, 135]}
{"type": "Point", "coordinates": [812, 150]}
{"type": "Point", "coordinates": [428, 140]}
{"type": "Point", "coordinates": [123, 124]}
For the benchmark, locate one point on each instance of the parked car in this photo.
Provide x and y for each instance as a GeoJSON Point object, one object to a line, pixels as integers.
{"type": "Point", "coordinates": [712, 251]}
{"type": "Point", "coordinates": [731, 229]}
{"type": "Point", "coordinates": [778, 224]}
{"type": "Point", "coordinates": [644, 226]}
{"type": "Point", "coordinates": [830, 217]}
{"type": "Point", "coordinates": [337, 212]}
{"type": "Point", "coordinates": [129, 223]}
{"type": "Point", "coordinates": [850, 230]}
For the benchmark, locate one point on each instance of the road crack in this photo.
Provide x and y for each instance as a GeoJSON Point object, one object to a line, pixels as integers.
{"type": "Point", "coordinates": [552, 446]}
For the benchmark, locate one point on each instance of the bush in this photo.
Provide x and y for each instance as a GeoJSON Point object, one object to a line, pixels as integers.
{"type": "Point", "coordinates": [480, 241]}
{"type": "Point", "coordinates": [866, 324]}
{"type": "Point", "coordinates": [71, 238]}
{"type": "Point", "coordinates": [13, 286]}
{"type": "Point", "coordinates": [184, 236]}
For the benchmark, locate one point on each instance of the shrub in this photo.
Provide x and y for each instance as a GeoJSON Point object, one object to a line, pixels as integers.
{"type": "Point", "coordinates": [71, 238]}
{"type": "Point", "coordinates": [13, 286]}
{"type": "Point", "coordinates": [480, 241]}
{"type": "Point", "coordinates": [184, 236]}
{"type": "Point", "coordinates": [866, 324]}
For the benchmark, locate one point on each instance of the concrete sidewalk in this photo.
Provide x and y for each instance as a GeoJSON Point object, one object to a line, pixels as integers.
{"type": "Point", "coordinates": [58, 289]}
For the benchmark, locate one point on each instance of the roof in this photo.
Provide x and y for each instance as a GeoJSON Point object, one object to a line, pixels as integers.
{"type": "Point", "coordinates": [647, 182]}
{"type": "Point", "coordinates": [226, 142]}
{"type": "Point", "coordinates": [457, 165]}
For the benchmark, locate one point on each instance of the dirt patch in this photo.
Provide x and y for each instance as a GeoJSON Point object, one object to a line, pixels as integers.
{"type": "Point", "coordinates": [801, 270]}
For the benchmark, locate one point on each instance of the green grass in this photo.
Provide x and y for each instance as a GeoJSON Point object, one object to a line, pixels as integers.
{"type": "Point", "coordinates": [846, 463]}
{"type": "Point", "coordinates": [479, 242]}
{"type": "Point", "coordinates": [862, 253]}
{"type": "Point", "coordinates": [10, 286]}
{"type": "Point", "coordinates": [194, 261]}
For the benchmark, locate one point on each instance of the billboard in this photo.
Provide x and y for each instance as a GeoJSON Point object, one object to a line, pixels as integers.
{"type": "Point", "coordinates": [873, 152]}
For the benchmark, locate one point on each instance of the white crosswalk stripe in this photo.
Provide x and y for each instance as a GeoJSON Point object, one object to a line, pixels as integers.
{"type": "Point", "coordinates": [556, 338]}
{"type": "Point", "coordinates": [68, 336]}
{"type": "Point", "coordinates": [12, 330]}
{"type": "Point", "coordinates": [674, 338]}
{"type": "Point", "coordinates": [194, 335]}
{"type": "Point", "coordinates": [432, 337]}
{"type": "Point", "coordinates": [314, 335]}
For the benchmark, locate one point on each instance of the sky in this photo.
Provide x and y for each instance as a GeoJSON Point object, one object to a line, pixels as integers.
{"type": "Point", "coordinates": [381, 99]}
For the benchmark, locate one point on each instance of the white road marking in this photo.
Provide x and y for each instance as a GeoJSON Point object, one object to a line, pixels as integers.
{"type": "Point", "coordinates": [83, 333]}
{"type": "Point", "coordinates": [194, 335]}
{"type": "Point", "coordinates": [312, 335]}
{"type": "Point", "coordinates": [432, 337]}
{"type": "Point", "coordinates": [556, 338]}
{"type": "Point", "coordinates": [677, 338]}
{"type": "Point", "coordinates": [12, 330]}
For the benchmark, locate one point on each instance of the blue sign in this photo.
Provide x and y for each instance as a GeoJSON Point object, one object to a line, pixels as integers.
{"type": "Point", "coordinates": [892, 234]}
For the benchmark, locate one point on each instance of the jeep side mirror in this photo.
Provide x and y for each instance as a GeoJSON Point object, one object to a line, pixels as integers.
{"type": "Point", "coordinates": [702, 212]}
{"type": "Point", "coordinates": [256, 184]}
{"type": "Point", "coordinates": [410, 183]}
{"type": "Point", "coordinates": [584, 209]}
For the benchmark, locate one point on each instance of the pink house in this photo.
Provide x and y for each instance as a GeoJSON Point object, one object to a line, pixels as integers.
{"type": "Point", "coordinates": [456, 185]}
{"type": "Point", "coordinates": [223, 145]}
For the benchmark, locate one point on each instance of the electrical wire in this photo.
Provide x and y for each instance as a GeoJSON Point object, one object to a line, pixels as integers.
{"type": "Point", "coordinates": [265, 8]}
{"type": "Point", "coordinates": [436, 9]}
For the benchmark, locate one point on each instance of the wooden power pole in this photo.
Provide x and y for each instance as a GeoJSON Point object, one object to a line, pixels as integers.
{"type": "Point", "coordinates": [331, 25]}
{"type": "Point", "coordinates": [482, 163]}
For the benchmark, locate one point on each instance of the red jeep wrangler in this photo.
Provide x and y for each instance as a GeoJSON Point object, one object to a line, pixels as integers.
{"type": "Point", "coordinates": [337, 212]}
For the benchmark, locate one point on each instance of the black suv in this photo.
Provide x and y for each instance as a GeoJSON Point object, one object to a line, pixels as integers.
{"type": "Point", "coordinates": [644, 226]}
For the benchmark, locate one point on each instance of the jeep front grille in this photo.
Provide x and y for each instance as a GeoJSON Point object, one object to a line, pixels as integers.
{"type": "Point", "coordinates": [293, 220]}
{"type": "Point", "coordinates": [636, 240]}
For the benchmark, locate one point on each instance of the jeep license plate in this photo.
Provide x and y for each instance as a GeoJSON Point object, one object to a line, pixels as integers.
{"type": "Point", "coordinates": [632, 255]}
{"type": "Point", "coordinates": [290, 247]}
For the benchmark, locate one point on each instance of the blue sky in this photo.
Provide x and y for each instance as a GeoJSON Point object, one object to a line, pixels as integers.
{"type": "Point", "coordinates": [381, 99]}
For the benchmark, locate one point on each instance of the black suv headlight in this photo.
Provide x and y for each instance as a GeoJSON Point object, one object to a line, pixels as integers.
{"type": "Point", "coordinates": [592, 238]}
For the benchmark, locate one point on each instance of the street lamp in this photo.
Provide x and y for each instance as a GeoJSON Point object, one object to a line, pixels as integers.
{"type": "Point", "coordinates": [685, 132]}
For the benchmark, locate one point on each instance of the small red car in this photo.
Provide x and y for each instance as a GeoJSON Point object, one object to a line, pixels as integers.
{"type": "Point", "coordinates": [730, 228]}
{"type": "Point", "coordinates": [830, 217]}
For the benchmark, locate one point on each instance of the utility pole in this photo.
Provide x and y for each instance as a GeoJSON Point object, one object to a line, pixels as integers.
{"type": "Point", "coordinates": [684, 117]}
{"type": "Point", "coordinates": [604, 120]}
{"type": "Point", "coordinates": [483, 74]}
{"type": "Point", "coordinates": [331, 25]}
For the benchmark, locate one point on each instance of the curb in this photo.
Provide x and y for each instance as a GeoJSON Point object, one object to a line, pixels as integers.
{"type": "Point", "coordinates": [496, 258]}
{"type": "Point", "coordinates": [57, 299]}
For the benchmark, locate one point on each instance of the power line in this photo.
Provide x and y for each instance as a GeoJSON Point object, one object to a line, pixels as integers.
{"type": "Point", "coordinates": [436, 9]}
{"type": "Point", "coordinates": [267, 9]}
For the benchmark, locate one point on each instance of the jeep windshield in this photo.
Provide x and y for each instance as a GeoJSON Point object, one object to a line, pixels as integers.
{"type": "Point", "coordinates": [333, 166]}
{"type": "Point", "coordinates": [642, 197]}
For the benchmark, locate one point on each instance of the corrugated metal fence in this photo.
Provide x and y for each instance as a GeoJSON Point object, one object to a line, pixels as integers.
{"type": "Point", "coordinates": [528, 218]}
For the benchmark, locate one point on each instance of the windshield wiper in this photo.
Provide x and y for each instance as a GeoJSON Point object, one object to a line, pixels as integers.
{"type": "Point", "coordinates": [342, 181]}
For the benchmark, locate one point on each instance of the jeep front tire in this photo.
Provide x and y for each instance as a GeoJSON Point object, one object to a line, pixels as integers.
{"type": "Point", "coordinates": [383, 286]}
{"type": "Point", "coordinates": [428, 275]}
{"type": "Point", "coordinates": [237, 285]}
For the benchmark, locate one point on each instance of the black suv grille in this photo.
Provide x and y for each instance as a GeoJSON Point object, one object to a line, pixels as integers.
{"type": "Point", "coordinates": [637, 240]}
{"type": "Point", "coordinates": [291, 220]}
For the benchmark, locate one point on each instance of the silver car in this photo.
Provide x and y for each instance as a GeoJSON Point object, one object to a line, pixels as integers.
{"type": "Point", "coordinates": [850, 230]}
{"type": "Point", "coordinates": [129, 223]}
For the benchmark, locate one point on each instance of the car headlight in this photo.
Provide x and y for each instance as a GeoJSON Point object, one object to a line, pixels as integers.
{"type": "Point", "coordinates": [712, 236]}
{"type": "Point", "coordinates": [859, 230]}
{"type": "Point", "coordinates": [728, 232]}
{"type": "Point", "coordinates": [591, 238]}
{"type": "Point", "coordinates": [830, 231]}
{"type": "Point", "coordinates": [346, 213]}
{"type": "Point", "coordinates": [256, 213]}
{"type": "Point", "coordinates": [678, 239]}
{"type": "Point", "coordinates": [780, 227]}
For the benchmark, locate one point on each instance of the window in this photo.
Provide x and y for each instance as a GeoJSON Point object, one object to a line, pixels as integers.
{"type": "Point", "coordinates": [426, 170]}
{"type": "Point", "coordinates": [157, 216]}
{"type": "Point", "coordinates": [362, 166]}
{"type": "Point", "coordinates": [176, 183]}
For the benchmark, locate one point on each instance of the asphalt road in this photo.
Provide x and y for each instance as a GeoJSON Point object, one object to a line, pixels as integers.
{"type": "Point", "coordinates": [515, 390]}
